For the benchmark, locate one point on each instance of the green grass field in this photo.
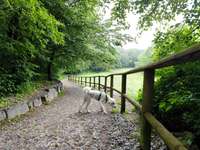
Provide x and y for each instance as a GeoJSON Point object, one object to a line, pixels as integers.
{"type": "Point", "coordinates": [134, 81]}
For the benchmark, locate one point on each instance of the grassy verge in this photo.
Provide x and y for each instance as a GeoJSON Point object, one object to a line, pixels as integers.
{"type": "Point", "coordinates": [27, 90]}
{"type": "Point", "coordinates": [134, 81]}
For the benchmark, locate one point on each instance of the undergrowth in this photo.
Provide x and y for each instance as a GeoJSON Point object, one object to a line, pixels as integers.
{"type": "Point", "coordinates": [24, 91]}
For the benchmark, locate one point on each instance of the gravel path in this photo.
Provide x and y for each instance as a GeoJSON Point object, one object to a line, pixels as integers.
{"type": "Point", "coordinates": [59, 126]}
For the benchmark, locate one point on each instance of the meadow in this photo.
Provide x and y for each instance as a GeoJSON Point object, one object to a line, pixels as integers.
{"type": "Point", "coordinates": [134, 81]}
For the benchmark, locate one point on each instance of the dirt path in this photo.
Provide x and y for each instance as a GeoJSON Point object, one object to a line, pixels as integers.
{"type": "Point", "coordinates": [59, 126]}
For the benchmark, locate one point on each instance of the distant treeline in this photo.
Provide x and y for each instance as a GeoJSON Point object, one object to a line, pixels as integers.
{"type": "Point", "coordinates": [133, 57]}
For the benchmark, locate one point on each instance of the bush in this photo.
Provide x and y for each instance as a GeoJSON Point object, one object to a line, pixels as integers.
{"type": "Point", "coordinates": [7, 85]}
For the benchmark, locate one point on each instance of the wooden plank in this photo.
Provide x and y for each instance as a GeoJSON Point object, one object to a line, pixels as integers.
{"type": "Point", "coordinates": [115, 74]}
{"type": "Point", "coordinates": [133, 102]}
{"type": "Point", "coordinates": [113, 89]}
{"type": "Point", "coordinates": [123, 99]}
{"type": "Point", "coordinates": [90, 81]}
{"type": "Point", "coordinates": [105, 84]}
{"type": "Point", "coordinates": [171, 141]}
{"type": "Point", "coordinates": [111, 85]}
{"type": "Point", "coordinates": [85, 81]}
{"type": "Point", "coordinates": [94, 82]}
{"type": "Point", "coordinates": [147, 107]}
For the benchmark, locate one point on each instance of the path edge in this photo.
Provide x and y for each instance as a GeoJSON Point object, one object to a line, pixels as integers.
{"type": "Point", "coordinates": [45, 96]}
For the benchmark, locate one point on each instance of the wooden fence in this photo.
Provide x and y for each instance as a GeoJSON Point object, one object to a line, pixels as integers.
{"type": "Point", "coordinates": [147, 119]}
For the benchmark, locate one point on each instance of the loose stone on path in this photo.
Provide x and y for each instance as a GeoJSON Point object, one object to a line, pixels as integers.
{"type": "Point", "coordinates": [58, 126]}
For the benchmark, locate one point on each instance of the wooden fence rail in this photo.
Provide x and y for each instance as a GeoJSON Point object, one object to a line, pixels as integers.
{"type": "Point", "coordinates": [147, 119]}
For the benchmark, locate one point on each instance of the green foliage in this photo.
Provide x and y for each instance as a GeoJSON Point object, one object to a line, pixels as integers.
{"type": "Point", "coordinates": [161, 11]}
{"type": "Point", "coordinates": [27, 28]}
{"type": "Point", "coordinates": [176, 100]}
{"type": "Point", "coordinates": [41, 38]}
{"type": "Point", "coordinates": [23, 91]}
{"type": "Point", "coordinates": [88, 40]}
{"type": "Point", "coordinates": [177, 88]}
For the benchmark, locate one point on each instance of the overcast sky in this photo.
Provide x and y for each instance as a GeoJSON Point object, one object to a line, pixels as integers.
{"type": "Point", "coordinates": [145, 40]}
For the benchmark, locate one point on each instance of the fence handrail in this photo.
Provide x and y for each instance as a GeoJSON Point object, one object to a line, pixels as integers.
{"type": "Point", "coordinates": [148, 120]}
{"type": "Point", "coordinates": [172, 142]}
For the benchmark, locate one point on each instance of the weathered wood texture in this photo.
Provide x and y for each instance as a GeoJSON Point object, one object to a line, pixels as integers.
{"type": "Point", "coordinates": [147, 107]}
{"type": "Point", "coordinates": [123, 99]}
{"type": "Point", "coordinates": [94, 82]}
{"type": "Point", "coordinates": [90, 81]}
{"type": "Point", "coordinates": [105, 84]}
{"type": "Point", "coordinates": [133, 102]}
{"type": "Point", "coordinates": [99, 82]}
{"type": "Point", "coordinates": [172, 142]}
{"type": "Point", "coordinates": [111, 85]}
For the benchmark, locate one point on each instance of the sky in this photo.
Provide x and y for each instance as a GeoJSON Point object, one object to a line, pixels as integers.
{"type": "Point", "coordinates": [145, 40]}
{"type": "Point", "coordinates": [142, 42]}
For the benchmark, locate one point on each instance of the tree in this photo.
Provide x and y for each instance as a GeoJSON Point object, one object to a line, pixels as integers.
{"type": "Point", "coordinates": [128, 57]}
{"type": "Point", "coordinates": [177, 87]}
{"type": "Point", "coordinates": [25, 29]}
{"type": "Point", "coordinates": [152, 11]}
{"type": "Point", "coordinates": [87, 38]}
{"type": "Point", "coordinates": [43, 37]}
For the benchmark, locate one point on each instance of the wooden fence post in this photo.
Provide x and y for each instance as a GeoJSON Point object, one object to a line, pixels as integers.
{"type": "Point", "coordinates": [81, 80]}
{"type": "Point", "coordinates": [85, 81]}
{"type": "Point", "coordinates": [148, 85]}
{"type": "Point", "coordinates": [111, 86]}
{"type": "Point", "coordinates": [94, 82]}
{"type": "Point", "coordinates": [105, 85]}
{"type": "Point", "coordinates": [123, 99]}
{"type": "Point", "coordinates": [90, 81]}
{"type": "Point", "coordinates": [99, 82]}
